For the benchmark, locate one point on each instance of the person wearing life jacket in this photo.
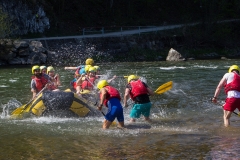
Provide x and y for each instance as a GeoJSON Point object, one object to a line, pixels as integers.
{"type": "Point", "coordinates": [139, 93]}
{"type": "Point", "coordinates": [89, 62]}
{"type": "Point", "coordinates": [43, 69]}
{"type": "Point", "coordinates": [39, 80]}
{"type": "Point", "coordinates": [87, 83]}
{"type": "Point", "coordinates": [231, 84]}
{"type": "Point", "coordinates": [97, 70]}
{"type": "Point", "coordinates": [76, 87]}
{"type": "Point", "coordinates": [54, 77]}
{"type": "Point", "coordinates": [110, 98]}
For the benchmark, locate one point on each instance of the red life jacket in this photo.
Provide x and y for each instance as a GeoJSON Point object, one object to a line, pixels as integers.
{"type": "Point", "coordinates": [52, 86]}
{"type": "Point", "coordinates": [234, 85]}
{"type": "Point", "coordinates": [88, 83]}
{"type": "Point", "coordinates": [74, 84]}
{"type": "Point", "coordinates": [40, 82]}
{"type": "Point", "coordinates": [138, 88]}
{"type": "Point", "coordinates": [111, 93]}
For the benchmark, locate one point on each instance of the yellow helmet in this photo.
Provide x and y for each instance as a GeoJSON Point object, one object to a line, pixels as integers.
{"type": "Point", "coordinates": [35, 67]}
{"type": "Point", "coordinates": [233, 67]}
{"type": "Point", "coordinates": [89, 61]}
{"type": "Point", "coordinates": [42, 67]}
{"type": "Point", "coordinates": [132, 77]}
{"type": "Point", "coordinates": [50, 68]}
{"type": "Point", "coordinates": [87, 67]}
{"type": "Point", "coordinates": [97, 68]}
{"type": "Point", "coordinates": [102, 84]}
{"type": "Point", "coordinates": [92, 69]}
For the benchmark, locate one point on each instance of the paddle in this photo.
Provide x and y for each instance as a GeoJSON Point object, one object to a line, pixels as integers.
{"type": "Point", "coordinates": [236, 113]}
{"type": "Point", "coordinates": [163, 88]}
{"type": "Point", "coordinates": [19, 110]}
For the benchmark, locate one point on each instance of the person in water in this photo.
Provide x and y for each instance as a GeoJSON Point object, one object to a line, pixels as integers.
{"type": "Point", "coordinates": [110, 98]}
{"type": "Point", "coordinates": [231, 83]}
{"type": "Point", "coordinates": [54, 77]}
{"type": "Point", "coordinates": [39, 81]}
{"type": "Point", "coordinates": [139, 93]}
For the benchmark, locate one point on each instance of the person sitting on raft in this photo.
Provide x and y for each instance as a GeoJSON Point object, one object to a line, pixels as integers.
{"type": "Point", "coordinates": [89, 62]}
{"type": "Point", "coordinates": [55, 78]}
{"type": "Point", "coordinates": [43, 69]}
{"type": "Point", "coordinates": [87, 81]}
{"type": "Point", "coordinates": [74, 87]}
{"type": "Point", "coordinates": [39, 81]}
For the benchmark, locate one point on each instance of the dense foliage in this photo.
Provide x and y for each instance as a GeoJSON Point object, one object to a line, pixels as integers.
{"type": "Point", "coordinates": [76, 14]}
{"type": "Point", "coordinates": [4, 25]}
{"type": "Point", "coordinates": [70, 17]}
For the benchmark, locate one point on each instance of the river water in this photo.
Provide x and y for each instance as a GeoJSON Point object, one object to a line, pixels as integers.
{"type": "Point", "coordinates": [186, 125]}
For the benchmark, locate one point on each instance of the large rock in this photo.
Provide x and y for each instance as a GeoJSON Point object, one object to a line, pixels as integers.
{"type": "Point", "coordinates": [174, 55]}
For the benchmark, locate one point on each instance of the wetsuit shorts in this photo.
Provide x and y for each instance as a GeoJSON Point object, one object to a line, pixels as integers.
{"type": "Point", "coordinates": [114, 110]}
{"type": "Point", "coordinates": [139, 109]}
{"type": "Point", "coordinates": [231, 104]}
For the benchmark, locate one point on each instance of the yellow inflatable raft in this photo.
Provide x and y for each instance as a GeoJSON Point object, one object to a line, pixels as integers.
{"type": "Point", "coordinates": [54, 101]}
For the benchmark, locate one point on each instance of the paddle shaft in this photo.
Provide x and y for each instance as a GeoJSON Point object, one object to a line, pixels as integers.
{"type": "Point", "coordinates": [33, 99]}
{"type": "Point", "coordinates": [103, 113]}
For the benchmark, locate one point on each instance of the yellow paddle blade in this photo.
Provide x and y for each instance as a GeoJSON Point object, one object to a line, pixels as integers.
{"type": "Point", "coordinates": [67, 90]}
{"type": "Point", "coordinates": [18, 113]}
{"type": "Point", "coordinates": [114, 123]}
{"type": "Point", "coordinates": [125, 76]}
{"type": "Point", "coordinates": [18, 110]}
{"type": "Point", "coordinates": [163, 88]}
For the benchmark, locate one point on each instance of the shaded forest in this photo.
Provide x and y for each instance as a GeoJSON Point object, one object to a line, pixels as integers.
{"type": "Point", "coordinates": [75, 14]}
{"type": "Point", "coordinates": [70, 17]}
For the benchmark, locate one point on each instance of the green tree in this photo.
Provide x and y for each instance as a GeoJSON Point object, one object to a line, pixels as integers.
{"type": "Point", "coordinates": [4, 24]}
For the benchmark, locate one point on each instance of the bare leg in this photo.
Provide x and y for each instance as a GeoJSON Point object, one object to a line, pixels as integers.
{"type": "Point", "coordinates": [78, 90]}
{"type": "Point", "coordinates": [147, 119]}
{"type": "Point", "coordinates": [133, 120]}
{"type": "Point", "coordinates": [226, 117]}
{"type": "Point", "coordinates": [106, 124]}
{"type": "Point", "coordinates": [121, 124]}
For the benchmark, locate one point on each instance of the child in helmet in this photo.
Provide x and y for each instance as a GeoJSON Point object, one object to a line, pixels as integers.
{"type": "Point", "coordinates": [75, 85]}
{"type": "Point", "coordinates": [110, 97]}
{"type": "Point", "coordinates": [54, 77]}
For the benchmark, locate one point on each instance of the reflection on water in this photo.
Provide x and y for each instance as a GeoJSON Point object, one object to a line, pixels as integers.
{"type": "Point", "coordinates": [185, 124]}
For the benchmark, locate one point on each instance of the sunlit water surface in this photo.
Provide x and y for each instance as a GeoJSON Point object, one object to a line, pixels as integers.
{"type": "Point", "coordinates": [186, 125]}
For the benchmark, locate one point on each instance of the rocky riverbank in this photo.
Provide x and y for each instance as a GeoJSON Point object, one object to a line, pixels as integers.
{"type": "Point", "coordinates": [110, 49]}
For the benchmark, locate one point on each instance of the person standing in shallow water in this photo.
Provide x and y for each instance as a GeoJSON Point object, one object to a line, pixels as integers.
{"type": "Point", "coordinates": [110, 97]}
{"type": "Point", "coordinates": [139, 93]}
{"type": "Point", "coordinates": [231, 83]}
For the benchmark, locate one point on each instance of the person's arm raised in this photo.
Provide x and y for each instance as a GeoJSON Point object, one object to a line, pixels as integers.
{"type": "Point", "coordinates": [70, 68]}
